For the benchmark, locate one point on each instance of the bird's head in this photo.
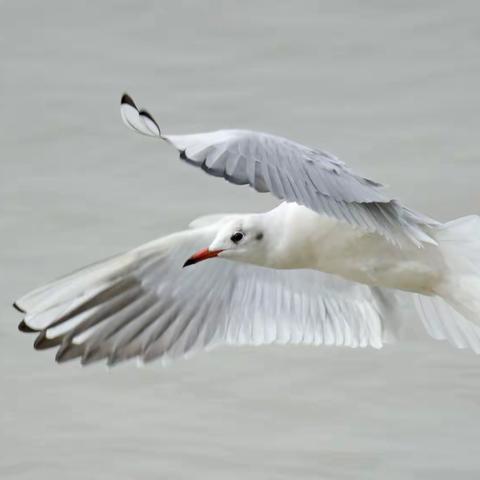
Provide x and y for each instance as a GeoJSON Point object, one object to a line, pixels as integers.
{"type": "Point", "coordinates": [241, 239]}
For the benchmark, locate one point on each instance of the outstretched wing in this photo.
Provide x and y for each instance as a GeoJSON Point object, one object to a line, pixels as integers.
{"type": "Point", "coordinates": [292, 172]}
{"type": "Point", "coordinates": [144, 304]}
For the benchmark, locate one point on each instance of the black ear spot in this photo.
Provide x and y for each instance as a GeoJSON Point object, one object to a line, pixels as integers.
{"type": "Point", "coordinates": [259, 236]}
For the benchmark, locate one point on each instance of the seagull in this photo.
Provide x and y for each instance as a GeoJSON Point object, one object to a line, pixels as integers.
{"type": "Point", "coordinates": [338, 262]}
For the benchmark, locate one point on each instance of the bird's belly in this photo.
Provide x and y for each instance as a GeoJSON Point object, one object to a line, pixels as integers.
{"type": "Point", "coordinates": [331, 246]}
{"type": "Point", "coordinates": [409, 276]}
{"type": "Point", "coordinates": [376, 262]}
{"type": "Point", "coordinates": [372, 260]}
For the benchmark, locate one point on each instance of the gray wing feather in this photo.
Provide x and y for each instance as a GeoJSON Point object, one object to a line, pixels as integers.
{"type": "Point", "coordinates": [144, 304]}
{"type": "Point", "coordinates": [294, 173]}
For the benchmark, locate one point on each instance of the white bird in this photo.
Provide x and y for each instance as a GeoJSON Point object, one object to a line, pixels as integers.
{"type": "Point", "coordinates": [329, 265]}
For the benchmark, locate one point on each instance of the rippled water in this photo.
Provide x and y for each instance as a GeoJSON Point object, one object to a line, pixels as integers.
{"type": "Point", "coordinates": [391, 87]}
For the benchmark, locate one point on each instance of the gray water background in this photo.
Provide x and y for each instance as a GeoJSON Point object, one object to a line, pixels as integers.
{"type": "Point", "coordinates": [391, 87]}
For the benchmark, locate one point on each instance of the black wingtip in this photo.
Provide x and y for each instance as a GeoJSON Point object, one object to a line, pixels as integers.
{"type": "Point", "coordinates": [23, 327]}
{"type": "Point", "coordinates": [127, 100]}
{"type": "Point", "coordinates": [42, 342]}
{"type": "Point", "coordinates": [144, 113]}
{"type": "Point", "coordinates": [18, 308]}
{"type": "Point", "coordinates": [67, 352]}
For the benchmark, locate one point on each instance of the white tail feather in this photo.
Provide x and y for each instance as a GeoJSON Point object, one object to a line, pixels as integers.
{"type": "Point", "coordinates": [442, 322]}
{"type": "Point", "coordinates": [460, 243]}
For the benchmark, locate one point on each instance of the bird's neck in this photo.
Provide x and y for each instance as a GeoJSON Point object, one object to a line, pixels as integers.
{"type": "Point", "coordinates": [288, 237]}
{"type": "Point", "coordinates": [301, 238]}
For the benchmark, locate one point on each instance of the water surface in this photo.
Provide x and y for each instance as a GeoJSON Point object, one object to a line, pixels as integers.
{"type": "Point", "coordinates": [391, 87]}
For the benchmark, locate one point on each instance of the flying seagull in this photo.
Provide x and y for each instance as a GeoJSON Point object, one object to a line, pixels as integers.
{"type": "Point", "coordinates": [335, 263]}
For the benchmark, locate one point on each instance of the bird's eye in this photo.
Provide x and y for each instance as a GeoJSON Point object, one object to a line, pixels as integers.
{"type": "Point", "coordinates": [236, 237]}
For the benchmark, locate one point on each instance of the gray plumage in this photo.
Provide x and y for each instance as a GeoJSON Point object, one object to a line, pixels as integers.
{"type": "Point", "coordinates": [292, 172]}
{"type": "Point", "coordinates": [143, 304]}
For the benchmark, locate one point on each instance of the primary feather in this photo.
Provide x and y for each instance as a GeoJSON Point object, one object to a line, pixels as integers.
{"type": "Point", "coordinates": [143, 304]}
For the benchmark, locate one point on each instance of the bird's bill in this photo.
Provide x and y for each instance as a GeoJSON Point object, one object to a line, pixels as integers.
{"type": "Point", "coordinates": [203, 254]}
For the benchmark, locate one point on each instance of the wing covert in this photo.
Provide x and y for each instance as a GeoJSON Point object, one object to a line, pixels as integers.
{"type": "Point", "coordinates": [296, 173]}
{"type": "Point", "coordinates": [143, 304]}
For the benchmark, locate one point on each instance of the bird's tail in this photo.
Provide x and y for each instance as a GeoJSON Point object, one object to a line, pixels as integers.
{"type": "Point", "coordinates": [460, 242]}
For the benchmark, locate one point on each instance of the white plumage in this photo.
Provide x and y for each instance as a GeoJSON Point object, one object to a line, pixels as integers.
{"type": "Point", "coordinates": [331, 266]}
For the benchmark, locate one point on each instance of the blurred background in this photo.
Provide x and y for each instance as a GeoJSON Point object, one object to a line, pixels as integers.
{"type": "Point", "coordinates": [390, 87]}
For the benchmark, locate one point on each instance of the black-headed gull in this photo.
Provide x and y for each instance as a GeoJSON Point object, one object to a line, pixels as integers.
{"type": "Point", "coordinates": [330, 265]}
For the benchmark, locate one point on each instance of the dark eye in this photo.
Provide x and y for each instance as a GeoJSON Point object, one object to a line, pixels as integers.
{"type": "Point", "coordinates": [236, 237]}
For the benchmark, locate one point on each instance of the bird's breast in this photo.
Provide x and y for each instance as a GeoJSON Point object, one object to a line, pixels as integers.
{"type": "Point", "coordinates": [315, 241]}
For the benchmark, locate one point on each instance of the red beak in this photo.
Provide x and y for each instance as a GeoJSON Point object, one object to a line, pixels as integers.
{"type": "Point", "coordinates": [203, 254]}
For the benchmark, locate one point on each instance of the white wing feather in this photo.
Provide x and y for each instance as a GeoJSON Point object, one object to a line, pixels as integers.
{"type": "Point", "coordinates": [144, 304]}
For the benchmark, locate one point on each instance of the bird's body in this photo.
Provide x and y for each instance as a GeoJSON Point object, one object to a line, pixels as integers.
{"type": "Point", "coordinates": [302, 238]}
{"type": "Point", "coordinates": [338, 262]}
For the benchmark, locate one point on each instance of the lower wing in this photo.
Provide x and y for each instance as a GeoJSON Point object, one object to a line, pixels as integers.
{"type": "Point", "coordinates": [144, 304]}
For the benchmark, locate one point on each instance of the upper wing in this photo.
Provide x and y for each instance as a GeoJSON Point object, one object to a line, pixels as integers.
{"type": "Point", "coordinates": [144, 304]}
{"type": "Point", "coordinates": [292, 172]}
